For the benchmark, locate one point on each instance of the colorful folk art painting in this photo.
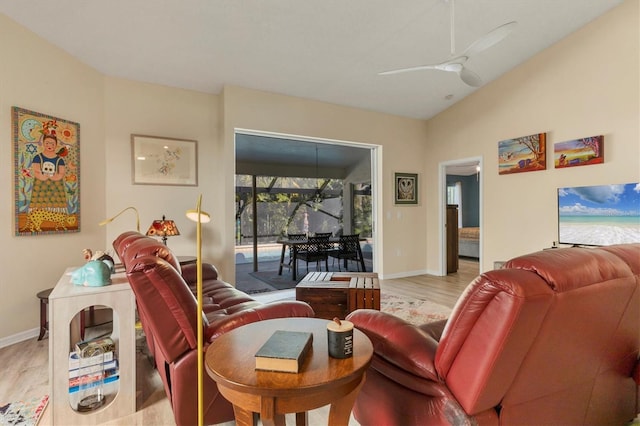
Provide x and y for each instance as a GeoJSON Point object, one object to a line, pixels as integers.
{"type": "Point", "coordinates": [524, 154]}
{"type": "Point", "coordinates": [579, 152]}
{"type": "Point", "coordinates": [47, 173]}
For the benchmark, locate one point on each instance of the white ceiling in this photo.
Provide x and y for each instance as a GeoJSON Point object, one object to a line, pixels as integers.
{"type": "Point", "coordinates": [327, 50]}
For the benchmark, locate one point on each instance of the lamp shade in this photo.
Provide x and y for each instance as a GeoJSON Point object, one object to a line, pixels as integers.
{"type": "Point", "coordinates": [163, 228]}
{"type": "Point", "coordinates": [193, 215]}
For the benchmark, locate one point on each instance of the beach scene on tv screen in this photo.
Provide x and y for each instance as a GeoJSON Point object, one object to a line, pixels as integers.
{"type": "Point", "coordinates": [599, 215]}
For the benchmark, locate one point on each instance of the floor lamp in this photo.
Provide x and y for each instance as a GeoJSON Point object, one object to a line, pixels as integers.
{"type": "Point", "coordinates": [199, 217]}
{"type": "Point", "coordinates": [109, 220]}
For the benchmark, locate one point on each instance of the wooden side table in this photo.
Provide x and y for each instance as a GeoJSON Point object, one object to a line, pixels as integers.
{"type": "Point", "coordinates": [323, 380]}
{"type": "Point", "coordinates": [186, 260]}
{"type": "Point", "coordinates": [44, 302]}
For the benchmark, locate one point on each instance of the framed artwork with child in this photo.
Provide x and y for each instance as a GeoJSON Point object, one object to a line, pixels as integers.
{"type": "Point", "coordinates": [46, 173]}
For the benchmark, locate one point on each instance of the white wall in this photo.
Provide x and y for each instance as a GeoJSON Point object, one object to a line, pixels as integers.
{"type": "Point", "coordinates": [585, 85]}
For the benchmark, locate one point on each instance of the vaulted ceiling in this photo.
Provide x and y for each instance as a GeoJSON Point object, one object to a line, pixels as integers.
{"type": "Point", "coordinates": [326, 50]}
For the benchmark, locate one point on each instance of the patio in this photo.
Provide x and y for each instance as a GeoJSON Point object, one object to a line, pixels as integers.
{"type": "Point", "coordinates": [267, 279]}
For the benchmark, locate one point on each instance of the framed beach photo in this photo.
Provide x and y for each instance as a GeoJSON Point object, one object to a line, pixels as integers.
{"type": "Point", "coordinates": [164, 161]}
{"type": "Point", "coordinates": [406, 188]}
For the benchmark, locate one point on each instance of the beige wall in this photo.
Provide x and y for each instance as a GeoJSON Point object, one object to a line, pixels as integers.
{"type": "Point", "coordinates": [38, 77]}
{"type": "Point", "coordinates": [147, 109]}
{"type": "Point", "coordinates": [585, 85]}
{"type": "Point", "coordinates": [402, 229]}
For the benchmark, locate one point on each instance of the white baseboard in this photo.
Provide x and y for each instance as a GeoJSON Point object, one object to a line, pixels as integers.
{"type": "Point", "coordinates": [406, 274]}
{"type": "Point", "coordinates": [20, 337]}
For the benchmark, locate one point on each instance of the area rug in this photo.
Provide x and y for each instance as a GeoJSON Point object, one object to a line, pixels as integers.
{"type": "Point", "coordinates": [275, 281]}
{"type": "Point", "coordinates": [414, 311]}
{"type": "Point", "coordinates": [23, 413]}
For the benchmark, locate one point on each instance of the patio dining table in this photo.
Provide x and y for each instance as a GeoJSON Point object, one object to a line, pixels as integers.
{"type": "Point", "coordinates": [295, 244]}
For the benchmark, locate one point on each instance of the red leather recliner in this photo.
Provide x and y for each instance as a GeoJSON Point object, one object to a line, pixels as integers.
{"type": "Point", "coordinates": [167, 309]}
{"type": "Point", "coordinates": [551, 339]}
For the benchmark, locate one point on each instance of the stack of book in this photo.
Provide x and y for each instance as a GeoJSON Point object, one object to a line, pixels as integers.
{"type": "Point", "coordinates": [93, 362]}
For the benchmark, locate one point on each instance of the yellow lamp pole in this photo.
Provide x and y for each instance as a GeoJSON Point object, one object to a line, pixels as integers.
{"type": "Point", "coordinates": [199, 217]}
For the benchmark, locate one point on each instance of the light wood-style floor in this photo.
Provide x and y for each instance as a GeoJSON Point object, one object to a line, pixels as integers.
{"type": "Point", "coordinates": [25, 365]}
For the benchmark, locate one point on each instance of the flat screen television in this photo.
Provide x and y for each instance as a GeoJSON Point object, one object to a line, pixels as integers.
{"type": "Point", "coordinates": [599, 215]}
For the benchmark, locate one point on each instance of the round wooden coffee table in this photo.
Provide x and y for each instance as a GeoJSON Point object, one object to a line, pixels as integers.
{"type": "Point", "coordinates": [323, 380]}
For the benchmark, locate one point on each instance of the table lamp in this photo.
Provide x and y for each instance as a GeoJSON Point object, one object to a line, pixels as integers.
{"type": "Point", "coordinates": [163, 228]}
{"type": "Point", "coordinates": [200, 217]}
{"type": "Point", "coordinates": [109, 220]}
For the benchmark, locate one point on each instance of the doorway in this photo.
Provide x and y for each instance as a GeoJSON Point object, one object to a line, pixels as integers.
{"type": "Point", "coordinates": [313, 184]}
{"type": "Point", "coordinates": [461, 185]}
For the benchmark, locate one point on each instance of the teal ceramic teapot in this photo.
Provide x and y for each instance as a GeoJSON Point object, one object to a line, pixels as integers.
{"type": "Point", "coordinates": [94, 273]}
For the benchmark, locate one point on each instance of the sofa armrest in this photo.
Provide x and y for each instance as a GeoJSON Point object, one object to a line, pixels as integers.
{"type": "Point", "coordinates": [190, 272]}
{"type": "Point", "coordinates": [267, 311]}
{"type": "Point", "coordinates": [391, 336]}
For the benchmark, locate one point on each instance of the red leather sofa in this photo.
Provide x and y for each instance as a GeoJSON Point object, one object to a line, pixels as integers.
{"type": "Point", "coordinates": [550, 339]}
{"type": "Point", "coordinates": [166, 302]}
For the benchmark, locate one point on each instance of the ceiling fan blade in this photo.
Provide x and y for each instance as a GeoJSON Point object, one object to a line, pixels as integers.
{"type": "Point", "coordinates": [470, 78]}
{"type": "Point", "coordinates": [452, 65]}
{"type": "Point", "coordinates": [403, 70]}
{"type": "Point", "coordinates": [492, 37]}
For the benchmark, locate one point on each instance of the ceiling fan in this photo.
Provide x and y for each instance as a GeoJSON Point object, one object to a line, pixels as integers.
{"type": "Point", "coordinates": [456, 63]}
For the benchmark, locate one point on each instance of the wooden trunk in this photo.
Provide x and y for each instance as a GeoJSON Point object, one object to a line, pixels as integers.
{"type": "Point", "coordinates": [336, 294]}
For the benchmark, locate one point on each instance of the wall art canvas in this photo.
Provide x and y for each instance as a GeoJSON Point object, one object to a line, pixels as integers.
{"type": "Point", "coordinates": [164, 161]}
{"type": "Point", "coordinates": [46, 173]}
{"type": "Point", "coordinates": [406, 188]}
{"type": "Point", "coordinates": [579, 152]}
{"type": "Point", "coordinates": [523, 154]}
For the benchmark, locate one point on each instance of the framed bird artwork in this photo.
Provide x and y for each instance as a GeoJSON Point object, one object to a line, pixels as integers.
{"type": "Point", "coordinates": [406, 188]}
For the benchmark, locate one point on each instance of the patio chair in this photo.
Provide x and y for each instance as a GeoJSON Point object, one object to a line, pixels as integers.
{"type": "Point", "coordinates": [294, 237]}
{"type": "Point", "coordinates": [348, 249]}
{"type": "Point", "coordinates": [315, 250]}
{"type": "Point", "coordinates": [323, 234]}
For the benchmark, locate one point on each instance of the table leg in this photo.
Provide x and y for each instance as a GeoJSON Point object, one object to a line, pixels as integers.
{"type": "Point", "coordinates": [43, 319]}
{"type": "Point", "coordinates": [244, 417]}
{"type": "Point", "coordinates": [268, 414]}
{"type": "Point", "coordinates": [340, 410]}
{"type": "Point", "coordinates": [284, 246]}
{"type": "Point", "coordinates": [302, 419]}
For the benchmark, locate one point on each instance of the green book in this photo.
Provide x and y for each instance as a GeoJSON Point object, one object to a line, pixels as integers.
{"type": "Point", "coordinates": [284, 351]}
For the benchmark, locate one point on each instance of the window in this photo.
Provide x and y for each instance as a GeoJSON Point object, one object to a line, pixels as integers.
{"type": "Point", "coordinates": [454, 196]}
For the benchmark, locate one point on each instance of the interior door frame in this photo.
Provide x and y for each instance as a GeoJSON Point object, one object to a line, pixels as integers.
{"type": "Point", "coordinates": [442, 208]}
{"type": "Point", "coordinates": [376, 178]}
